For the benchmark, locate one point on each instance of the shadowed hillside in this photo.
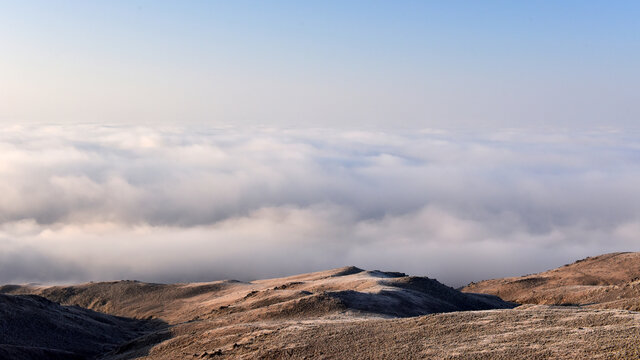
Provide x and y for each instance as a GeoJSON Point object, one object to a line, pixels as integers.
{"type": "Point", "coordinates": [32, 327]}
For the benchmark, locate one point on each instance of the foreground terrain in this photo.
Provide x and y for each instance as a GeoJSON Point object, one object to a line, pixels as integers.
{"type": "Point", "coordinates": [534, 333]}
{"type": "Point", "coordinates": [335, 314]}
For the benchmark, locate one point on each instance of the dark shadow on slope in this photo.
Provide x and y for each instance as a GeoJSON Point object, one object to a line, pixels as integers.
{"type": "Point", "coordinates": [32, 327]}
{"type": "Point", "coordinates": [13, 352]}
{"type": "Point", "coordinates": [348, 270]}
{"type": "Point", "coordinates": [424, 286]}
{"type": "Point", "coordinates": [414, 296]}
{"type": "Point", "coordinates": [138, 347]}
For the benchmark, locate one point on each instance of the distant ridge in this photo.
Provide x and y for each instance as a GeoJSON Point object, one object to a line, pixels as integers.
{"type": "Point", "coordinates": [347, 289]}
{"type": "Point", "coordinates": [605, 281]}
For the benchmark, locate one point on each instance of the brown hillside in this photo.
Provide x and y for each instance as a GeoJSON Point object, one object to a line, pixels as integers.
{"type": "Point", "coordinates": [538, 332]}
{"type": "Point", "coordinates": [336, 314]}
{"type": "Point", "coordinates": [345, 290]}
{"type": "Point", "coordinates": [605, 281]}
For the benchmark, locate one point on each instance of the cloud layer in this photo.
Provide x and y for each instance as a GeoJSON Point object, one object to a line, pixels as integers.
{"type": "Point", "coordinates": [182, 204]}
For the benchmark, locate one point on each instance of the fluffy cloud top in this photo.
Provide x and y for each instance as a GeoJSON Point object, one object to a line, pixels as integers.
{"type": "Point", "coordinates": [183, 204]}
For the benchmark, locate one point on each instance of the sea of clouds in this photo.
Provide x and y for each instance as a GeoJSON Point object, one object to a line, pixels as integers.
{"type": "Point", "coordinates": [89, 202]}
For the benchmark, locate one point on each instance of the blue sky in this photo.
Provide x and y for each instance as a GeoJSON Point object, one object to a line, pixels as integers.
{"type": "Point", "coordinates": [453, 64]}
{"type": "Point", "coordinates": [459, 140]}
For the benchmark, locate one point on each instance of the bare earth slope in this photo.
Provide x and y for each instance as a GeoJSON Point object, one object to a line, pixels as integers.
{"type": "Point", "coordinates": [32, 327]}
{"type": "Point", "coordinates": [605, 281]}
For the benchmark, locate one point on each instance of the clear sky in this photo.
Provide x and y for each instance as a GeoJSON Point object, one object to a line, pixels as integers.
{"type": "Point", "coordinates": [418, 64]}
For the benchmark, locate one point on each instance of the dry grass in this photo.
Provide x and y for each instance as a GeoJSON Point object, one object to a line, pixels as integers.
{"type": "Point", "coordinates": [535, 333]}
{"type": "Point", "coordinates": [607, 281]}
{"type": "Point", "coordinates": [356, 314]}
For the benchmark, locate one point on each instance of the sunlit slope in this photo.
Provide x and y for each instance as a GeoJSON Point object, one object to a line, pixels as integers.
{"type": "Point", "coordinates": [345, 291]}
{"type": "Point", "coordinates": [605, 281]}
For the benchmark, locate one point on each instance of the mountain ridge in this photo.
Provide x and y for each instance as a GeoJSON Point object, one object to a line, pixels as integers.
{"type": "Point", "coordinates": [604, 281]}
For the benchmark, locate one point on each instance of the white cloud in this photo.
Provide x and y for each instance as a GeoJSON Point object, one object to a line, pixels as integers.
{"type": "Point", "coordinates": [180, 204]}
